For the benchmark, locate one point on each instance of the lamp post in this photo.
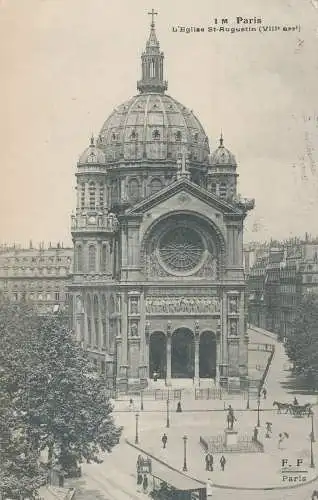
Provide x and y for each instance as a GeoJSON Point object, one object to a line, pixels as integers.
{"type": "Point", "coordinates": [312, 425]}
{"type": "Point", "coordinates": [258, 405]}
{"type": "Point", "coordinates": [248, 396]}
{"type": "Point", "coordinates": [137, 434]}
{"type": "Point", "coordinates": [168, 417]}
{"type": "Point", "coordinates": [185, 468]}
{"type": "Point", "coordinates": [141, 400]}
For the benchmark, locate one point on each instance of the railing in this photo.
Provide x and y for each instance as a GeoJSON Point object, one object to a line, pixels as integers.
{"type": "Point", "coordinates": [254, 346]}
{"type": "Point", "coordinates": [208, 393]}
{"type": "Point", "coordinates": [245, 444]}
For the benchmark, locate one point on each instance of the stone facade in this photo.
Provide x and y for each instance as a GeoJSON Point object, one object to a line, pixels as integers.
{"type": "Point", "coordinates": [158, 282]}
{"type": "Point", "coordinates": [38, 275]}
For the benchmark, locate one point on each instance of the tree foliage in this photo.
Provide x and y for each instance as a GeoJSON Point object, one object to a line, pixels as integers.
{"type": "Point", "coordinates": [55, 405]}
{"type": "Point", "coordinates": [302, 342]}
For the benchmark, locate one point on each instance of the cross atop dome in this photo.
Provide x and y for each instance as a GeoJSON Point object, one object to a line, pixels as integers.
{"type": "Point", "coordinates": [152, 14]}
{"type": "Point", "coordinates": [152, 63]}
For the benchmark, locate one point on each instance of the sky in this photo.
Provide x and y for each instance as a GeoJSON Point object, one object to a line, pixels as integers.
{"type": "Point", "coordinates": [66, 64]}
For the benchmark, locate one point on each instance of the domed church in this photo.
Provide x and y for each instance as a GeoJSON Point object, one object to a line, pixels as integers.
{"type": "Point", "coordinates": [158, 283]}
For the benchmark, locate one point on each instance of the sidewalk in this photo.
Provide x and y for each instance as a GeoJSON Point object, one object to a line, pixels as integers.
{"type": "Point", "coordinates": [248, 470]}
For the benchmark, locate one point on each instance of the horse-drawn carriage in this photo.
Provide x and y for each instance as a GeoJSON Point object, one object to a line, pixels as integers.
{"type": "Point", "coordinates": [295, 410]}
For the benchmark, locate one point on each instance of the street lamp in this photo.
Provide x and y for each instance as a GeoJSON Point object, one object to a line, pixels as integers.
{"type": "Point", "coordinates": [142, 400]}
{"type": "Point", "coordinates": [312, 425]}
{"type": "Point", "coordinates": [185, 468]}
{"type": "Point", "coordinates": [258, 405]}
{"type": "Point", "coordinates": [168, 418]}
{"type": "Point", "coordinates": [248, 396]}
{"type": "Point", "coordinates": [137, 435]}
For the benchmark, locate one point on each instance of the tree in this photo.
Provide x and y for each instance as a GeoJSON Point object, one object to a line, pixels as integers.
{"type": "Point", "coordinates": [61, 405]}
{"type": "Point", "coordinates": [302, 342]}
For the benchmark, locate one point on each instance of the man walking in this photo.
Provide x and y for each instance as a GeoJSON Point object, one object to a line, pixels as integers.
{"type": "Point", "coordinates": [222, 462]}
{"type": "Point", "coordinates": [164, 440]}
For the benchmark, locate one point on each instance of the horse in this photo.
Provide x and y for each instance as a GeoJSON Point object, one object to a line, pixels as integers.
{"type": "Point", "coordinates": [281, 406]}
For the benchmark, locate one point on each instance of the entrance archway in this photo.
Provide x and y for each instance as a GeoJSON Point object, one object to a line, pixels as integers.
{"type": "Point", "coordinates": [207, 355]}
{"type": "Point", "coordinates": [157, 354]}
{"type": "Point", "coordinates": [182, 353]}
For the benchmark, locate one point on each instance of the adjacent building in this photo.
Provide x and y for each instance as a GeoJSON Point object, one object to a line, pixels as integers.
{"type": "Point", "coordinates": [38, 275]}
{"type": "Point", "coordinates": [278, 280]}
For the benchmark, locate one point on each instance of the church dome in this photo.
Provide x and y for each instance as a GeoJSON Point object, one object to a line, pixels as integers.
{"type": "Point", "coordinates": [92, 154]}
{"type": "Point", "coordinates": [222, 156]}
{"type": "Point", "coordinates": [153, 126]}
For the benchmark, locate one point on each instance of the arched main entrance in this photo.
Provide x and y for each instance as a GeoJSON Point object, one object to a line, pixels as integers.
{"type": "Point", "coordinates": [207, 355]}
{"type": "Point", "coordinates": [182, 353]}
{"type": "Point", "coordinates": [157, 354]}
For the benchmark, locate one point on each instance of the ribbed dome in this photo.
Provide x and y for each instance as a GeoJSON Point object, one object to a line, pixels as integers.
{"type": "Point", "coordinates": [152, 126]}
{"type": "Point", "coordinates": [92, 154]}
{"type": "Point", "coordinates": [222, 156]}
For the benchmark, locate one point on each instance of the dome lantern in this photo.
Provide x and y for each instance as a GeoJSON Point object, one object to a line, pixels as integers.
{"type": "Point", "coordinates": [152, 64]}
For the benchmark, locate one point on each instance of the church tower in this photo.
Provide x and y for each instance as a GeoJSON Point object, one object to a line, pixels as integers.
{"type": "Point", "coordinates": [158, 281]}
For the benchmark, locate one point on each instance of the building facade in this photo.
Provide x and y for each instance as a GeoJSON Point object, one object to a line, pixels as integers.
{"type": "Point", "coordinates": [277, 281]}
{"type": "Point", "coordinates": [158, 282]}
{"type": "Point", "coordinates": [38, 275]}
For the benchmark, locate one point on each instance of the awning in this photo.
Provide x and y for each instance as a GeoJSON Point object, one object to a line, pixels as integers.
{"type": "Point", "coordinates": [174, 478]}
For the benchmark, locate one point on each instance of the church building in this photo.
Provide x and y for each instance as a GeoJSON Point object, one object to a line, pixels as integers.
{"type": "Point", "coordinates": [158, 283]}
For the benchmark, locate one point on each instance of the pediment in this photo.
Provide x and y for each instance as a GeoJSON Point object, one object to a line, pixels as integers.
{"type": "Point", "coordinates": [184, 194]}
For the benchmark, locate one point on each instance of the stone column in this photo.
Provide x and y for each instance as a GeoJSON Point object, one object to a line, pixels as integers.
{"type": "Point", "coordinates": [224, 361]}
{"type": "Point", "coordinates": [196, 352]}
{"type": "Point", "coordinates": [168, 356]}
{"type": "Point", "coordinates": [123, 379]}
{"type": "Point", "coordinates": [143, 344]}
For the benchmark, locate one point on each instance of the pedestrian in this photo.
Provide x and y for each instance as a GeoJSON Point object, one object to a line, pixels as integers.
{"type": "Point", "coordinates": [295, 401]}
{"type": "Point", "coordinates": [131, 404]}
{"type": "Point", "coordinates": [145, 483]}
{"type": "Point", "coordinates": [210, 462]}
{"type": "Point", "coordinates": [264, 393]}
{"type": "Point", "coordinates": [179, 409]}
{"type": "Point", "coordinates": [164, 440]}
{"type": "Point", "coordinates": [139, 481]}
{"type": "Point", "coordinates": [268, 429]}
{"type": "Point", "coordinates": [222, 462]}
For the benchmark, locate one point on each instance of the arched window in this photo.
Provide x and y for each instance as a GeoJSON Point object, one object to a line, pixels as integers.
{"type": "Point", "coordinates": [223, 190]}
{"type": "Point", "coordinates": [178, 136]}
{"type": "Point", "coordinates": [152, 69]}
{"type": "Point", "coordinates": [155, 185]}
{"type": "Point", "coordinates": [103, 259]}
{"type": "Point", "coordinates": [92, 258]}
{"type": "Point", "coordinates": [82, 195]}
{"type": "Point", "coordinates": [79, 259]}
{"type": "Point", "coordinates": [95, 306]}
{"type": "Point", "coordinates": [196, 137]}
{"type": "Point", "coordinates": [112, 305]}
{"type": "Point", "coordinates": [156, 134]}
{"type": "Point", "coordinates": [92, 196]}
{"type": "Point", "coordinates": [101, 195]}
{"type": "Point", "coordinates": [133, 189]}
{"type": "Point", "coordinates": [89, 319]}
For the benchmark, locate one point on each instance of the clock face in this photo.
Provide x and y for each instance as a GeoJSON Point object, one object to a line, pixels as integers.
{"type": "Point", "coordinates": [181, 249]}
{"type": "Point", "coordinates": [92, 220]}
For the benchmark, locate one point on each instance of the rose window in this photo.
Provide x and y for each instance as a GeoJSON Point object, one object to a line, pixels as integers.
{"type": "Point", "coordinates": [181, 249]}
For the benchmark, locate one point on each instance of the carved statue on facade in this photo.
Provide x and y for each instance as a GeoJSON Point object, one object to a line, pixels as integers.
{"type": "Point", "coordinates": [79, 304]}
{"type": "Point", "coordinates": [233, 305]}
{"type": "Point", "coordinates": [233, 328]}
{"type": "Point", "coordinates": [134, 330]}
{"type": "Point", "coordinates": [134, 306]}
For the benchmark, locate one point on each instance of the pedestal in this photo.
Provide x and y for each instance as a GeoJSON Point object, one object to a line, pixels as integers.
{"type": "Point", "coordinates": [122, 382]}
{"type": "Point", "coordinates": [230, 437]}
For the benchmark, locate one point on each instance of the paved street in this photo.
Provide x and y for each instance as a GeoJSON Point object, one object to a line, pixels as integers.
{"type": "Point", "coordinates": [115, 478]}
